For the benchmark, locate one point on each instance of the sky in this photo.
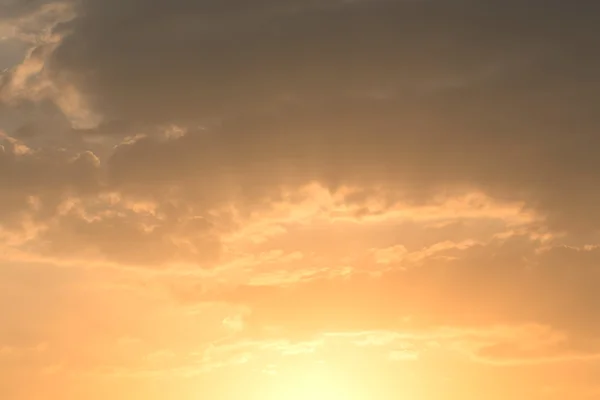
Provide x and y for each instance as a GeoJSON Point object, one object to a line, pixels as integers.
{"type": "Point", "coordinates": [299, 199]}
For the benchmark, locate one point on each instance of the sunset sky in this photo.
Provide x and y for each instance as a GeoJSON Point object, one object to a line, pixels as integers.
{"type": "Point", "coordinates": [299, 200]}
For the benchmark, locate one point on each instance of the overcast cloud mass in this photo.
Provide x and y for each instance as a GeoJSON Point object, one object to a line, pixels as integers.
{"type": "Point", "coordinates": [214, 198]}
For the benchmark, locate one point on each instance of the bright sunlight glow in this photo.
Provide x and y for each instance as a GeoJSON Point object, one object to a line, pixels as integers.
{"type": "Point", "coordinates": [314, 384]}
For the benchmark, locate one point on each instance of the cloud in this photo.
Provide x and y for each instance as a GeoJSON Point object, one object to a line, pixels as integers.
{"type": "Point", "coordinates": [129, 236]}
{"type": "Point", "coordinates": [505, 281]}
{"type": "Point", "coordinates": [12, 9]}
{"type": "Point", "coordinates": [355, 94]}
{"type": "Point", "coordinates": [507, 354]}
{"type": "Point", "coordinates": [36, 181]}
{"type": "Point", "coordinates": [390, 176]}
{"type": "Point", "coordinates": [221, 55]}
{"type": "Point", "coordinates": [342, 94]}
{"type": "Point", "coordinates": [54, 205]}
{"type": "Point", "coordinates": [403, 355]}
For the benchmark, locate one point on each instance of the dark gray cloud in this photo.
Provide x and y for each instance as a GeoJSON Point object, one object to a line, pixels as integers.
{"type": "Point", "coordinates": [129, 238]}
{"type": "Point", "coordinates": [418, 97]}
{"type": "Point", "coordinates": [187, 60]}
{"type": "Point", "coordinates": [58, 194]}
{"type": "Point", "coordinates": [11, 53]}
{"type": "Point", "coordinates": [10, 9]}
{"type": "Point", "coordinates": [427, 95]}
{"type": "Point", "coordinates": [36, 182]}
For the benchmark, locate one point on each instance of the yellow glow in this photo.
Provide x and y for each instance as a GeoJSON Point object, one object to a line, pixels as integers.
{"type": "Point", "coordinates": [316, 383]}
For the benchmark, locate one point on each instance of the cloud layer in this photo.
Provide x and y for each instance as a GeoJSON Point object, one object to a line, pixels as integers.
{"type": "Point", "coordinates": [231, 186]}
